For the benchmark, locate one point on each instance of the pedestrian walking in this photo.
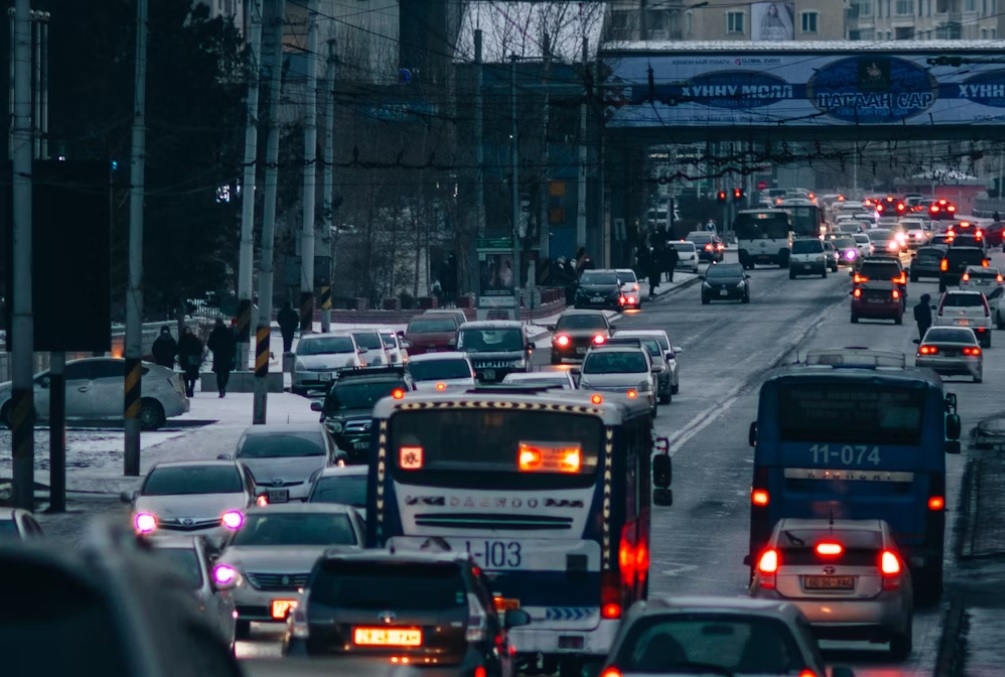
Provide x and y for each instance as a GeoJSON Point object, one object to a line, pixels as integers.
{"type": "Point", "coordinates": [224, 346]}
{"type": "Point", "coordinates": [165, 348]}
{"type": "Point", "coordinates": [654, 273]}
{"type": "Point", "coordinates": [288, 321]}
{"type": "Point", "coordinates": [996, 216]}
{"type": "Point", "coordinates": [923, 315]}
{"type": "Point", "coordinates": [190, 350]}
{"type": "Point", "coordinates": [670, 259]}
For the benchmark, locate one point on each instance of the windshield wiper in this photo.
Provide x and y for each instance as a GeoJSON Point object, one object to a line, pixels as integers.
{"type": "Point", "coordinates": [794, 539]}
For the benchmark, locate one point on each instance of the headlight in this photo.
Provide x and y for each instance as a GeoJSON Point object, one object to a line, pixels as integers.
{"type": "Point", "coordinates": [335, 426]}
{"type": "Point", "coordinates": [706, 284]}
{"type": "Point", "coordinates": [584, 384]}
{"type": "Point", "coordinates": [645, 386]}
{"type": "Point", "coordinates": [298, 365]}
{"type": "Point", "coordinates": [145, 522]}
{"type": "Point", "coordinates": [821, 258]}
{"type": "Point", "coordinates": [518, 364]}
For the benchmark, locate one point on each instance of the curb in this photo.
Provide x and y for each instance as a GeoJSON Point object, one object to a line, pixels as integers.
{"type": "Point", "coordinates": [673, 290]}
{"type": "Point", "coordinates": [951, 658]}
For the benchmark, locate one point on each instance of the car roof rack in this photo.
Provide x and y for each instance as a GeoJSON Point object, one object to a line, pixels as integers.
{"type": "Point", "coordinates": [855, 356]}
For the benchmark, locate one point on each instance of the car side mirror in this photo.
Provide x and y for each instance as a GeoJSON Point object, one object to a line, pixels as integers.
{"type": "Point", "coordinates": [225, 457]}
{"type": "Point", "coordinates": [670, 355]}
{"type": "Point", "coordinates": [746, 277]}
{"type": "Point", "coordinates": [950, 403]}
{"type": "Point", "coordinates": [317, 406]}
{"type": "Point", "coordinates": [662, 471]}
{"type": "Point", "coordinates": [551, 327]}
{"type": "Point", "coordinates": [752, 434]}
{"type": "Point", "coordinates": [953, 426]}
{"type": "Point", "coordinates": [127, 496]}
{"type": "Point", "coordinates": [516, 618]}
{"type": "Point", "coordinates": [363, 350]}
{"type": "Point", "coordinates": [406, 344]}
{"type": "Point", "coordinates": [842, 671]}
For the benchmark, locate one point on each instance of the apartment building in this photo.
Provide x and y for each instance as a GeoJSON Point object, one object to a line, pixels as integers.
{"type": "Point", "coordinates": [726, 20]}
{"type": "Point", "coordinates": [922, 19]}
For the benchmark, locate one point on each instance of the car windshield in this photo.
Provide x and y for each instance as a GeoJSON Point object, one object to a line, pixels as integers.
{"type": "Point", "coordinates": [508, 340]}
{"type": "Point", "coordinates": [880, 234]}
{"type": "Point", "coordinates": [807, 246]}
{"type": "Point", "coordinates": [325, 345]}
{"type": "Point", "coordinates": [193, 479]}
{"type": "Point", "coordinates": [684, 247]}
{"type": "Point", "coordinates": [8, 531]}
{"type": "Point", "coordinates": [615, 362]}
{"type": "Point", "coordinates": [341, 489]}
{"type": "Point", "coordinates": [699, 238]}
{"type": "Point", "coordinates": [843, 242]}
{"type": "Point", "coordinates": [879, 269]}
{"type": "Point", "coordinates": [282, 445]}
{"type": "Point", "coordinates": [185, 562]}
{"type": "Point", "coordinates": [368, 340]}
{"type": "Point", "coordinates": [963, 300]}
{"type": "Point", "coordinates": [725, 270]}
{"type": "Point", "coordinates": [378, 586]}
{"type": "Point", "coordinates": [930, 253]}
{"type": "Point", "coordinates": [433, 370]}
{"type": "Point", "coordinates": [968, 255]}
{"type": "Point", "coordinates": [734, 643]}
{"type": "Point", "coordinates": [627, 275]}
{"type": "Point", "coordinates": [590, 321]}
{"type": "Point", "coordinates": [359, 395]}
{"type": "Point", "coordinates": [861, 238]}
{"type": "Point", "coordinates": [949, 335]}
{"type": "Point", "coordinates": [432, 325]}
{"type": "Point", "coordinates": [293, 528]}
{"type": "Point", "coordinates": [598, 278]}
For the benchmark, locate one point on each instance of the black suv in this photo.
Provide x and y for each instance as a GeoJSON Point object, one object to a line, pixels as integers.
{"type": "Point", "coordinates": [575, 332]}
{"type": "Point", "coordinates": [955, 263]}
{"type": "Point", "coordinates": [599, 289]}
{"type": "Point", "coordinates": [496, 348]}
{"type": "Point", "coordinates": [420, 607]}
{"type": "Point", "coordinates": [877, 268]}
{"type": "Point", "coordinates": [347, 409]}
{"type": "Point", "coordinates": [710, 247]}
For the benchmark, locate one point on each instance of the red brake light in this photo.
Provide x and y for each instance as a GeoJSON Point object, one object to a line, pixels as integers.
{"type": "Point", "coordinates": [944, 265]}
{"type": "Point", "coordinates": [985, 263]}
{"type": "Point", "coordinates": [857, 293]}
{"type": "Point", "coordinates": [889, 566]}
{"type": "Point", "coordinates": [708, 247]}
{"type": "Point", "coordinates": [902, 279]}
{"type": "Point", "coordinates": [936, 503]}
{"type": "Point", "coordinates": [599, 339]}
{"type": "Point", "coordinates": [562, 340]}
{"type": "Point", "coordinates": [973, 352]}
{"type": "Point", "coordinates": [759, 497]}
{"type": "Point", "coordinates": [398, 393]}
{"type": "Point", "coordinates": [859, 278]}
{"type": "Point", "coordinates": [896, 294]}
{"type": "Point", "coordinates": [767, 567]}
{"type": "Point", "coordinates": [951, 208]}
{"type": "Point", "coordinates": [807, 673]}
{"type": "Point", "coordinates": [611, 672]}
{"type": "Point", "coordinates": [480, 671]}
{"type": "Point", "coordinates": [610, 596]}
{"type": "Point", "coordinates": [966, 277]}
{"type": "Point", "coordinates": [928, 350]}
{"type": "Point", "coordinates": [829, 549]}
{"type": "Point", "coordinates": [621, 300]}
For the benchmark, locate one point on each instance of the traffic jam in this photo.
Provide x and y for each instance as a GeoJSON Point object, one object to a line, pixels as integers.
{"type": "Point", "coordinates": [487, 497]}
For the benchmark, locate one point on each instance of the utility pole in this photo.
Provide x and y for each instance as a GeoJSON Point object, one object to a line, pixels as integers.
{"type": "Point", "coordinates": [134, 290]}
{"type": "Point", "coordinates": [544, 228]}
{"type": "Point", "coordinates": [479, 136]}
{"type": "Point", "coordinates": [328, 183]}
{"type": "Point", "coordinates": [515, 159]}
{"type": "Point", "coordinates": [247, 250]}
{"type": "Point", "coordinates": [264, 329]}
{"type": "Point", "coordinates": [310, 174]}
{"type": "Point", "coordinates": [22, 344]}
{"type": "Point", "coordinates": [581, 182]}
{"type": "Point", "coordinates": [43, 122]}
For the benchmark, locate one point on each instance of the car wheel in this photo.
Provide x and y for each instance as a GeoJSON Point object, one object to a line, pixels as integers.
{"type": "Point", "coordinates": [704, 300]}
{"type": "Point", "coordinates": [901, 644]}
{"type": "Point", "coordinates": [914, 278]}
{"type": "Point", "coordinates": [999, 321]}
{"type": "Point", "coordinates": [979, 377]}
{"type": "Point", "coordinates": [665, 398]}
{"type": "Point", "coordinates": [242, 630]}
{"type": "Point", "coordinates": [746, 298]}
{"type": "Point", "coordinates": [899, 319]}
{"type": "Point", "coordinates": [854, 318]}
{"type": "Point", "coordinates": [792, 275]}
{"type": "Point", "coordinates": [824, 274]}
{"type": "Point", "coordinates": [151, 414]}
{"type": "Point", "coordinates": [674, 389]}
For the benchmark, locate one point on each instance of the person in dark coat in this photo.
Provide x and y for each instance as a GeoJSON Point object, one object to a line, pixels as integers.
{"type": "Point", "coordinates": [923, 315]}
{"type": "Point", "coordinates": [288, 321]}
{"type": "Point", "coordinates": [221, 342]}
{"type": "Point", "coordinates": [654, 273]}
{"type": "Point", "coordinates": [190, 356]}
{"type": "Point", "coordinates": [670, 259]}
{"type": "Point", "coordinates": [996, 216]}
{"type": "Point", "coordinates": [165, 348]}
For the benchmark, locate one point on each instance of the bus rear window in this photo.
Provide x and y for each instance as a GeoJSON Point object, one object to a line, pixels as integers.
{"type": "Point", "coordinates": [492, 447]}
{"type": "Point", "coordinates": [850, 413]}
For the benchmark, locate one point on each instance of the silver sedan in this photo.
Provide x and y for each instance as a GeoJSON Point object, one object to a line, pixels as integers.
{"type": "Point", "coordinates": [951, 351]}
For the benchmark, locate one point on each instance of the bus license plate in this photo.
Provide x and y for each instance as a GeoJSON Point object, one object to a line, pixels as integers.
{"type": "Point", "coordinates": [492, 554]}
{"type": "Point", "coordinates": [489, 374]}
{"type": "Point", "coordinates": [829, 582]}
{"type": "Point", "coordinates": [281, 608]}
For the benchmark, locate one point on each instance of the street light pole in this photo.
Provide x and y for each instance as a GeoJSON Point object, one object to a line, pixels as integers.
{"type": "Point", "coordinates": [515, 159]}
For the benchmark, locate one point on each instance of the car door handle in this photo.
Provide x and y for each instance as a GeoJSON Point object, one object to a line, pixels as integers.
{"type": "Point", "coordinates": [83, 389]}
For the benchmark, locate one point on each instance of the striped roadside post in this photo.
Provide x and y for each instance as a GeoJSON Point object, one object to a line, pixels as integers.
{"type": "Point", "coordinates": [262, 337]}
{"type": "Point", "coordinates": [326, 309]}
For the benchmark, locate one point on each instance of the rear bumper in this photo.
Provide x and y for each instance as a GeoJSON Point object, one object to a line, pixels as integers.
{"type": "Point", "coordinates": [951, 366]}
{"type": "Point", "coordinates": [532, 640]}
{"type": "Point", "coordinates": [807, 267]}
{"type": "Point", "coordinates": [873, 619]}
{"type": "Point", "coordinates": [890, 311]}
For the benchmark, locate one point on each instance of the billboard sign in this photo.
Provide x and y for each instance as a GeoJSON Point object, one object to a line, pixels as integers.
{"type": "Point", "coordinates": [772, 21]}
{"type": "Point", "coordinates": [805, 89]}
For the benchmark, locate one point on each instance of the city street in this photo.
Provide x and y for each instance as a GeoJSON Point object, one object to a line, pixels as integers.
{"type": "Point", "coordinates": [698, 543]}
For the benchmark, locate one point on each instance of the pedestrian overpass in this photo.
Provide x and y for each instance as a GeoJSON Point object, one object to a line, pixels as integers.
{"type": "Point", "coordinates": [675, 92]}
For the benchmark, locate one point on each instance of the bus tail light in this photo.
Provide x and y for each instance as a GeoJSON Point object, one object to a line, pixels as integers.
{"type": "Point", "coordinates": [944, 265]}
{"type": "Point", "coordinates": [889, 566]}
{"type": "Point", "coordinates": [896, 294]}
{"type": "Point", "coordinates": [966, 277]}
{"type": "Point", "coordinates": [857, 293]}
{"type": "Point", "coordinates": [759, 497]}
{"type": "Point", "coordinates": [936, 503]}
{"type": "Point", "coordinates": [767, 568]}
{"type": "Point", "coordinates": [610, 596]}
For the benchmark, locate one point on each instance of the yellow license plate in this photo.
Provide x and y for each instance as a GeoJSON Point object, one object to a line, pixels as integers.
{"type": "Point", "coordinates": [829, 582]}
{"type": "Point", "coordinates": [506, 603]}
{"type": "Point", "coordinates": [281, 608]}
{"type": "Point", "coordinates": [387, 636]}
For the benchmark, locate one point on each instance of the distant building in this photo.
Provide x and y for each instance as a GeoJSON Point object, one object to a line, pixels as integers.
{"type": "Point", "coordinates": [922, 19]}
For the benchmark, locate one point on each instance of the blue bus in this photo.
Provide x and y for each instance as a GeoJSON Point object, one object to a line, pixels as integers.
{"type": "Point", "coordinates": [549, 490]}
{"type": "Point", "coordinates": [855, 434]}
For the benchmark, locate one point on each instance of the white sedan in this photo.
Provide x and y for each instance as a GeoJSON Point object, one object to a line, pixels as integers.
{"type": "Point", "coordinates": [94, 393]}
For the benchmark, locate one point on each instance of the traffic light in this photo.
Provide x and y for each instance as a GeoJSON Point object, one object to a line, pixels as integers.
{"type": "Point", "coordinates": [737, 194]}
{"type": "Point", "coordinates": [722, 196]}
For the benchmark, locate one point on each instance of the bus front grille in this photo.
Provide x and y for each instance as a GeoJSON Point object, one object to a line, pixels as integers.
{"type": "Point", "coordinates": [493, 521]}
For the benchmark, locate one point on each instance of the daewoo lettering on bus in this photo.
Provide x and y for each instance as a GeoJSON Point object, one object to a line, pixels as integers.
{"type": "Point", "coordinates": [855, 434]}
{"type": "Point", "coordinates": [548, 490]}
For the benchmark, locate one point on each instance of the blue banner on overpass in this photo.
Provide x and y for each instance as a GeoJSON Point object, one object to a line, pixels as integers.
{"type": "Point", "coordinates": [719, 89]}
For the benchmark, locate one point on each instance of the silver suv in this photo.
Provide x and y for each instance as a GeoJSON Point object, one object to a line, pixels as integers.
{"type": "Point", "coordinates": [966, 308]}
{"type": "Point", "coordinates": [620, 369]}
{"type": "Point", "coordinates": [808, 258]}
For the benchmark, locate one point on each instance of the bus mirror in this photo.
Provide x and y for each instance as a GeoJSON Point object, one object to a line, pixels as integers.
{"type": "Point", "coordinates": [953, 447]}
{"type": "Point", "coordinates": [752, 434]}
{"type": "Point", "coordinates": [662, 471]}
{"type": "Point", "coordinates": [953, 427]}
{"type": "Point", "coordinates": [663, 497]}
{"type": "Point", "coordinates": [951, 403]}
